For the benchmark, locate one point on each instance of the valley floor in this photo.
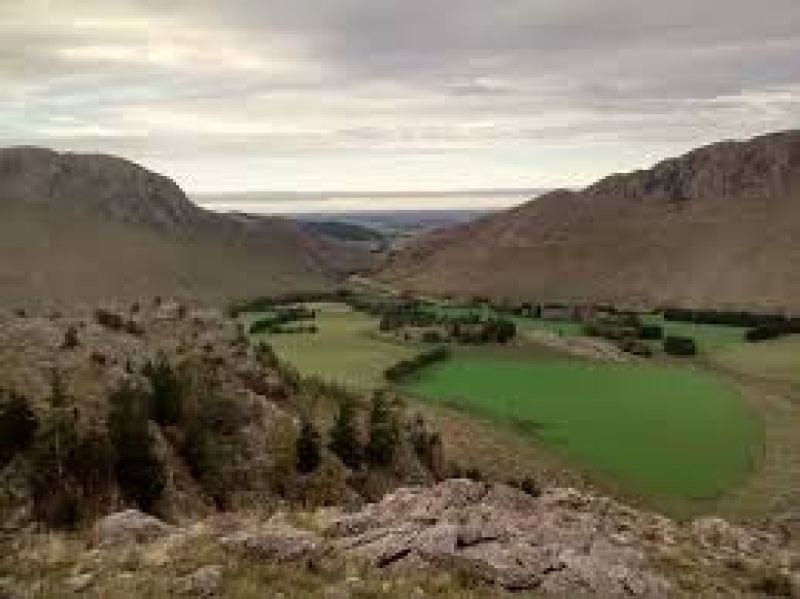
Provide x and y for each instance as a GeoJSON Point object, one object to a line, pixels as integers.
{"type": "Point", "coordinates": [730, 415]}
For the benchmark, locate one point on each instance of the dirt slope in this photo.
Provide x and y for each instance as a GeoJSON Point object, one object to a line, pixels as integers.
{"type": "Point", "coordinates": [719, 226]}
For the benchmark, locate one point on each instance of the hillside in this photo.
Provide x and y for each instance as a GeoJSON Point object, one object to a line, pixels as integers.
{"type": "Point", "coordinates": [717, 227]}
{"type": "Point", "coordinates": [86, 228]}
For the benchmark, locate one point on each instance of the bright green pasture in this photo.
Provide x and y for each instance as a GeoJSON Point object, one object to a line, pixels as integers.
{"type": "Point", "coordinates": [660, 430]}
{"type": "Point", "coordinates": [777, 359]}
{"type": "Point", "coordinates": [346, 350]}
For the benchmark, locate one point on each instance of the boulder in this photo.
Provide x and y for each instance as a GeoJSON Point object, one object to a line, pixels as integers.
{"type": "Point", "coordinates": [204, 582]}
{"type": "Point", "coordinates": [274, 542]}
{"type": "Point", "coordinates": [130, 526]}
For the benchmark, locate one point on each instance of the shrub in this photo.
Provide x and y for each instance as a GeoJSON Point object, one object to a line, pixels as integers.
{"type": "Point", "coordinates": [139, 473]}
{"type": "Point", "coordinates": [636, 347]}
{"type": "Point", "coordinates": [308, 448]}
{"type": "Point", "coordinates": [651, 332]}
{"type": "Point", "coordinates": [344, 437]}
{"type": "Point", "coordinates": [680, 346]}
{"type": "Point", "coordinates": [772, 330]}
{"type": "Point", "coordinates": [67, 467]}
{"type": "Point", "coordinates": [71, 340]}
{"type": "Point", "coordinates": [209, 447]}
{"type": "Point", "coordinates": [383, 432]}
{"type": "Point", "coordinates": [17, 425]}
{"type": "Point", "coordinates": [431, 337]}
{"type": "Point", "coordinates": [527, 485]}
{"type": "Point", "coordinates": [404, 368]}
{"type": "Point", "coordinates": [108, 319]}
{"type": "Point", "coordinates": [473, 473]}
{"type": "Point", "coordinates": [166, 397]}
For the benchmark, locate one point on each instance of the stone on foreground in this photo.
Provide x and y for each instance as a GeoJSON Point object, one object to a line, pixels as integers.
{"type": "Point", "coordinates": [130, 526]}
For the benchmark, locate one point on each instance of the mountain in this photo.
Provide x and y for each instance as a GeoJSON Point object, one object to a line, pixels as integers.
{"type": "Point", "coordinates": [717, 227]}
{"type": "Point", "coordinates": [82, 228]}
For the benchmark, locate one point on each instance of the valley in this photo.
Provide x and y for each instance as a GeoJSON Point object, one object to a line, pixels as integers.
{"type": "Point", "coordinates": [686, 436]}
{"type": "Point", "coordinates": [421, 299]}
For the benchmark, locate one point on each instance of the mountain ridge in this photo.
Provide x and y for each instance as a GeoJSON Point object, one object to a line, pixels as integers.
{"type": "Point", "coordinates": [689, 231]}
{"type": "Point", "coordinates": [88, 227]}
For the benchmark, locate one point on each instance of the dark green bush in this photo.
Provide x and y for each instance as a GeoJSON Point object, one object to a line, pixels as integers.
{"type": "Point", "coordinates": [17, 425]}
{"type": "Point", "coordinates": [166, 396]}
{"type": "Point", "coordinates": [384, 434]}
{"type": "Point", "coordinates": [680, 346]}
{"type": "Point", "coordinates": [344, 440]}
{"type": "Point", "coordinates": [308, 448]}
{"type": "Point", "coordinates": [405, 368]}
{"type": "Point", "coordinates": [139, 473]}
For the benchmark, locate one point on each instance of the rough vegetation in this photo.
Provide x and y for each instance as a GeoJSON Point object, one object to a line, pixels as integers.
{"type": "Point", "coordinates": [179, 417]}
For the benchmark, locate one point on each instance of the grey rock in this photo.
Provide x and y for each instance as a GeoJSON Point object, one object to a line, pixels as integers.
{"type": "Point", "coordinates": [205, 582]}
{"type": "Point", "coordinates": [80, 582]}
{"type": "Point", "coordinates": [130, 526]}
{"type": "Point", "coordinates": [274, 542]}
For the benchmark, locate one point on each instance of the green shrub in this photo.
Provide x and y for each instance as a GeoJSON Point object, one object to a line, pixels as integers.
{"type": "Point", "coordinates": [308, 448]}
{"type": "Point", "coordinates": [405, 368]}
{"type": "Point", "coordinates": [139, 473]}
{"type": "Point", "coordinates": [384, 434]}
{"type": "Point", "coordinates": [17, 425]}
{"type": "Point", "coordinates": [71, 340]}
{"type": "Point", "coordinates": [344, 437]}
{"type": "Point", "coordinates": [210, 445]}
{"type": "Point", "coordinates": [166, 397]}
{"type": "Point", "coordinates": [680, 346]}
{"type": "Point", "coordinates": [527, 485]}
{"type": "Point", "coordinates": [651, 332]}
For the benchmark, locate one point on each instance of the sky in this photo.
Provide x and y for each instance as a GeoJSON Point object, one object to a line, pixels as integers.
{"type": "Point", "coordinates": [394, 95]}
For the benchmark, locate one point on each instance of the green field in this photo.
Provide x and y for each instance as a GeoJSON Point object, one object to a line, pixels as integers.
{"type": "Point", "coordinates": [777, 359]}
{"type": "Point", "coordinates": [346, 350]}
{"type": "Point", "coordinates": [653, 429]}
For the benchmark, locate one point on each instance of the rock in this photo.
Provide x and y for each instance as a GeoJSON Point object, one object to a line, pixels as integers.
{"type": "Point", "coordinates": [80, 582]}
{"type": "Point", "coordinates": [508, 498]}
{"type": "Point", "coordinates": [717, 534]}
{"type": "Point", "coordinates": [130, 526]}
{"type": "Point", "coordinates": [385, 546]}
{"type": "Point", "coordinates": [275, 542]}
{"type": "Point", "coordinates": [205, 582]}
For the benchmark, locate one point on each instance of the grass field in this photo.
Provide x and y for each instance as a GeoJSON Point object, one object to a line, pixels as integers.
{"type": "Point", "coordinates": [657, 430]}
{"type": "Point", "coordinates": [346, 350]}
{"type": "Point", "coordinates": [777, 359]}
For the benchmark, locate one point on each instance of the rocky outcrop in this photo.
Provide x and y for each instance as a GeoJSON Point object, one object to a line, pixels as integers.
{"type": "Point", "coordinates": [91, 183]}
{"type": "Point", "coordinates": [499, 535]}
{"type": "Point", "coordinates": [563, 543]}
{"type": "Point", "coordinates": [689, 231]}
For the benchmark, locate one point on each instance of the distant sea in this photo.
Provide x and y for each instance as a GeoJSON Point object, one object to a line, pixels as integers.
{"type": "Point", "coordinates": [302, 204]}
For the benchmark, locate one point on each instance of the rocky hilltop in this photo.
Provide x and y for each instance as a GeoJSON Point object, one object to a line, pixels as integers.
{"type": "Point", "coordinates": [717, 227]}
{"type": "Point", "coordinates": [453, 540]}
{"type": "Point", "coordinates": [86, 228]}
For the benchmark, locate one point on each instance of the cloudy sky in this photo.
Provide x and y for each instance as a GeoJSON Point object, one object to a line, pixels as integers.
{"type": "Point", "coordinates": [395, 94]}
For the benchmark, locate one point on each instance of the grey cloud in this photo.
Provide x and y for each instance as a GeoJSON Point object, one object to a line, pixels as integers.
{"type": "Point", "coordinates": [150, 78]}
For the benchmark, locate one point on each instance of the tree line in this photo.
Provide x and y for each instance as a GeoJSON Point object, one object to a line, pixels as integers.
{"type": "Point", "coordinates": [406, 368]}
